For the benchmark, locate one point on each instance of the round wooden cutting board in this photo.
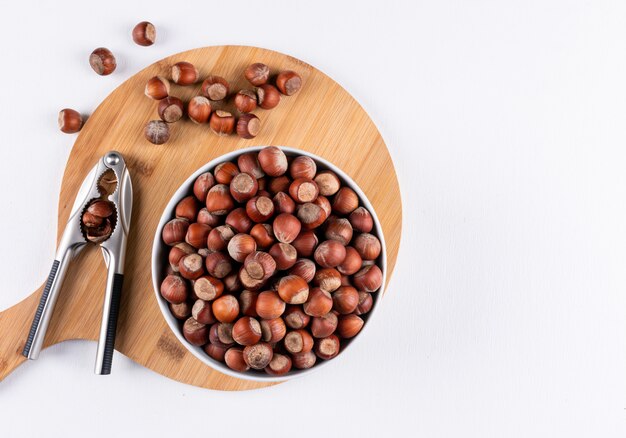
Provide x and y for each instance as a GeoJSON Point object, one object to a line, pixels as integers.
{"type": "Point", "coordinates": [322, 118]}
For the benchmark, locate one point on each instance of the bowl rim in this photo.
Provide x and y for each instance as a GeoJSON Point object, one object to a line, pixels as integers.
{"type": "Point", "coordinates": [157, 259]}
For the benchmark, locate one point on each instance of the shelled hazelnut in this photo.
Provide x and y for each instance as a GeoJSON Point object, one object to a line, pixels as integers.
{"type": "Point", "coordinates": [272, 263]}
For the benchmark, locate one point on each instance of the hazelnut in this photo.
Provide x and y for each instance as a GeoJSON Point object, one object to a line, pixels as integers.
{"type": "Point", "coordinates": [249, 282]}
{"type": "Point", "coordinates": [259, 208]}
{"type": "Point", "coordinates": [157, 88]}
{"type": "Point", "coordinates": [369, 278]}
{"type": "Point", "coordinates": [258, 356]}
{"type": "Point", "coordinates": [304, 360]}
{"type": "Point", "coordinates": [273, 161]}
{"type": "Point", "coordinates": [239, 220]}
{"type": "Point", "coordinates": [368, 246]}
{"type": "Point", "coordinates": [249, 164]}
{"type": "Point", "coordinates": [323, 203]}
{"type": "Point", "coordinates": [352, 263]}
{"type": "Point", "coordinates": [187, 208]}
{"type": "Point", "coordinates": [273, 330]}
{"type": "Point", "coordinates": [222, 122]}
{"type": "Point", "coordinates": [288, 82]}
{"type": "Point", "coordinates": [91, 220]}
{"type": "Point", "coordinates": [259, 265]}
{"type": "Point", "coordinates": [295, 317]}
{"type": "Point", "coordinates": [298, 341]}
{"type": "Point", "coordinates": [100, 234]}
{"type": "Point", "coordinates": [327, 182]}
{"type": "Point", "coordinates": [361, 220]}
{"type": "Point", "coordinates": [245, 101]}
{"type": "Point", "coordinates": [234, 359]}
{"type": "Point", "coordinates": [303, 190]}
{"type": "Point", "coordinates": [199, 109]}
{"type": "Point", "coordinates": [319, 303]}
{"type": "Point", "coordinates": [70, 121]}
{"type": "Point", "coordinates": [195, 333]}
{"type": "Point", "coordinates": [293, 289]}
{"type": "Point", "coordinates": [226, 308]}
{"type": "Point", "coordinates": [231, 283]}
{"type": "Point", "coordinates": [243, 187]}
{"type": "Point", "coordinates": [180, 311]}
{"type": "Point", "coordinates": [218, 264]}
{"type": "Point", "coordinates": [202, 185]}
{"type": "Point", "coordinates": [279, 184]}
{"type": "Point", "coordinates": [144, 33]}
{"type": "Point", "coordinates": [225, 172]}
{"type": "Point", "coordinates": [240, 246]}
{"type": "Point", "coordinates": [174, 289]}
{"type": "Point", "coordinates": [303, 167]}
{"type": "Point", "coordinates": [324, 326]}
{"type": "Point", "coordinates": [191, 266]}
{"type": "Point", "coordinates": [219, 201]}
{"type": "Point", "coordinates": [345, 201]}
{"type": "Point", "coordinates": [284, 254]}
{"type": "Point", "coordinates": [219, 237]}
{"type": "Point", "coordinates": [221, 335]}
{"type": "Point", "coordinates": [267, 96]}
{"type": "Point", "coordinates": [327, 348]}
{"type": "Point", "coordinates": [365, 303]}
{"type": "Point", "coordinates": [101, 208]}
{"type": "Point", "coordinates": [208, 288]}
{"type": "Point", "coordinates": [197, 235]}
{"type": "Point", "coordinates": [247, 331]}
{"type": "Point", "coordinates": [339, 229]}
{"type": "Point", "coordinates": [248, 126]}
{"type": "Point", "coordinates": [286, 227]}
{"type": "Point", "coordinates": [305, 243]}
{"type": "Point", "coordinates": [247, 302]}
{"type": "Point", "coordinates": [330, 254]}
{"type": "Point", "coordinates": [157, 132]}
{"type": "Point", "coordinates": [175, 231]}
{"type": "Point", "coordinates": [304, 268]}
{"type": "Point", "coordinates": [177, 252]}
{"type": "Point", "coordinates": [310, 215]}
{"type": "Point", "coordinates": [263, 235]}
{"type": "Point", "coordinates": [349, 326]}
{"type": "Point", "coordinates": [215, 352]}
{"type": "Point", "coordinates": [257, 74]}
{"type": "Point", "coordinates": [206, 218]}
{"type": "Point", "coordinates": [345, 299]}
{"type": "Point", "coordinates": [269, 305]}
{"type": "Point", "coordinates": [102, 61]}
{"type": "Point", "coordinates": [283, 203]}
{"type": "Point", "coordinates": [202, 312]}
{"type": "Point", "coordinates": [279, 365]}
{"type": "Point", "coordinates": [184, 73]}
{"type": "Point", "coordinates": [215, 88]}
{"type": "Point", "coordinates": [328, 279]}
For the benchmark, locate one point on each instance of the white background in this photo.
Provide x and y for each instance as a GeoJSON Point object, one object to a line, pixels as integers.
{"type": "Point", "coordinates": [506, 313]}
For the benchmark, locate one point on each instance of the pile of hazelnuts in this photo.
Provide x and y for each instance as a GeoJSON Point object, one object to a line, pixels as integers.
{"type": "Point", "coordinates": [272, 263]}
{"type": "Point", "coordinates": [213, 105]}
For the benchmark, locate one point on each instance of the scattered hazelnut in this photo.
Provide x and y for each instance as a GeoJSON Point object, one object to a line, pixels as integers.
{"type": "Point", "coordinates": [221, 335]}
{"type": "Point", "coordinates": [267, 96]}
{"type": "Point", "coordinates": [257, 74]}
{"type": "Point", "coordinates": [259, 265]}
{"type": "Point", "coordinates": [180, 311]}
{"type": "Point", "coordinates": [215, 352]}
{"type": "Point", "coordinates": [295, 317]}
{"type": "Point", "coordinates": [303, 190]}
{"type": "Point", "coordinates": [283, 203]}
{"type": "Point", "coordinates": [157, 132]}
{"type": "Point", "coordinates": [245, 101]}
{"type": "Point", "coordinates": [339, 229]}
{"type": "Point", "coordinates": [259, 208]}
{"type": "Point", "coordinates": [365, 303]}
{"type": "Point", "coordinates": [247, 303]}
{"type": "Point", "coordinates": [288, 82]}
{"type": "Point", "coordinates": [144, 33]}
{"type": "Point", "coordinates": [199, 109]}
{"type": "Point", "coordinates": [279, 184]}
{"type": "Point", "coordinates": [219, 237]}
{"type": "Point", "coordinates": [70, 121]}
{"type": "Point", "coordinates": [197, 235]}
{"type": "Point", "coordinates": [222, 122]}
{"type": "Point", "coordinates": [328, 279]}
{"type": "Point", "coordinates": [157, 88]}
{"type": "Point", "coordinates": [248, 126]}
{"type": "Point", "coordinates": [310, 215]}
{"type": "Point", "coordinates": [102, 61]}
{"type": "Point", "coordinates": [184, 73]}
{"type": "Point", "coordinates": [352, 263]}
{"type": "Point", "coordinates": [286, 227]}
{"type": "Point", "coordinates": [215, 88]}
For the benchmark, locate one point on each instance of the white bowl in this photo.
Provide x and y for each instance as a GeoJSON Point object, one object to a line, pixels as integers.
{"type": "Point", "coordinates": [160, 252]}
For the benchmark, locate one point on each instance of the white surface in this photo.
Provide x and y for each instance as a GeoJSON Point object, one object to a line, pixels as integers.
{"type": "Point", "coordinates": [506, 313]}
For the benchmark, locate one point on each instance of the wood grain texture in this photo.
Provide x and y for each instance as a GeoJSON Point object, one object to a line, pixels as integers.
{"type": "Point", "coordinates": [322, 118]}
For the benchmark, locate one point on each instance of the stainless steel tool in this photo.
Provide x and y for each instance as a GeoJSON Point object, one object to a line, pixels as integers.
{"type": "Point", "coordinates": [113, 249]}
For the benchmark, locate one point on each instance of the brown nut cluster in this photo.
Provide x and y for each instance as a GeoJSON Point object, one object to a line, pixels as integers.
{"type": "Point", "coordinates": [226, 111]}
{"type": "Point", "coordinates": [259, 286]}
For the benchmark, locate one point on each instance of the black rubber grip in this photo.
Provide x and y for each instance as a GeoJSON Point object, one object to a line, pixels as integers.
{"type": "Point", "coordinates": [39, 311]}
{"type": "Point", "coordinates": [109, 344]}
